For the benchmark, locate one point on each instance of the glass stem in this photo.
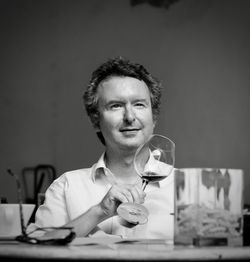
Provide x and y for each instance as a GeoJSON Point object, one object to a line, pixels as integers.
{"type": "Point", "coordinates": [144, 184]}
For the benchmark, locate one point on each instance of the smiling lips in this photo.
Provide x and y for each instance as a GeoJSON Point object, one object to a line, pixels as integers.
{"type": "Point", "coordinates": [129, 129]}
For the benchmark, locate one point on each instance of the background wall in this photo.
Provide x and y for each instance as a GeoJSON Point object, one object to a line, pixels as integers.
{"type": "Point", "coordinates": [199, 49]}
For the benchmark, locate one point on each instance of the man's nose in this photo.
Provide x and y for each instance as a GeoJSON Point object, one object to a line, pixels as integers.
{"type": "Point", "coordinates": [129, 115]}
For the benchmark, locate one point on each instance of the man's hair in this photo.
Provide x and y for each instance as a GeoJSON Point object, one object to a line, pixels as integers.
{"type": "Point", "coordinates": [120, 66]}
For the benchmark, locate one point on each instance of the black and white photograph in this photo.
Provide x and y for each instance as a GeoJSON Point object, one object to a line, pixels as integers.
{"type": "Point", "coordinates": [124, 130]}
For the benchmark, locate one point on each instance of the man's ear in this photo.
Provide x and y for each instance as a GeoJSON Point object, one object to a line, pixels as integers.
{"type": "Point", "coordinates": [154, 123]}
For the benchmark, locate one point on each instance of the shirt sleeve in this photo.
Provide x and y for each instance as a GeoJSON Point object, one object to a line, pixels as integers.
{"type": "Point", "coordinates": [53, 213]}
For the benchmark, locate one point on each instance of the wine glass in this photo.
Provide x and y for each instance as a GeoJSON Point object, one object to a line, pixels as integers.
{"type": "Point", "coordinates": [154, 160]}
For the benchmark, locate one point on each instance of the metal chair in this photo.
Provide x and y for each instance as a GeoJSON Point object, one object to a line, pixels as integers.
{"type": "Point", "coordinates": [36, 180]}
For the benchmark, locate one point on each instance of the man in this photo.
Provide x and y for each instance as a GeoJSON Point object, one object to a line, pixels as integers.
{"type": "Point", "coordinates": [122, 101]}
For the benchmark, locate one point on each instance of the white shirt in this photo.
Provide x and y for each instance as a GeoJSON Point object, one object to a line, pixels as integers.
{"type": "Point", "coordinates": [74, 192]}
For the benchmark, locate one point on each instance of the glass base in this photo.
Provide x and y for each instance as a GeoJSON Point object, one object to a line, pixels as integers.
{"type": "Point", "coordinates": [132, 214]}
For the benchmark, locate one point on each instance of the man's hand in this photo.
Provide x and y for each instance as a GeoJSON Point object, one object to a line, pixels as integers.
{"type": "Point", "coordinates": [121, 194]}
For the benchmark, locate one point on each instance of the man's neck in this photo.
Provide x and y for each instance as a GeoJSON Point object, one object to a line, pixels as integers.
{"type": "Point", "coordinates": [122, 166]}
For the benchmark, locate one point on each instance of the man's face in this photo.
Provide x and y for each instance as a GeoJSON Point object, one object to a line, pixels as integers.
{"type": "Point", "coordinates": [126, 118]}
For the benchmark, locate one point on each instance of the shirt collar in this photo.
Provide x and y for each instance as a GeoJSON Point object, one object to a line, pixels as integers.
{"type": "Point", "coordinates": [100, 169]}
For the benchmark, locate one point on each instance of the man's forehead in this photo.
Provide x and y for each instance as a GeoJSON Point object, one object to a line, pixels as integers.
{"type": "Point", "coordinates": [119, 79]}
{"type": "Point", "coordinates": [120, 86]}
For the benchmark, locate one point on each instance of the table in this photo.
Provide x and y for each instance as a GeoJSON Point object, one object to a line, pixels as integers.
{"type": "Point", "coordinates": [127, 250]}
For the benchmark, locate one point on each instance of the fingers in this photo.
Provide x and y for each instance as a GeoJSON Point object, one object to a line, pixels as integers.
{"type": "Point", "coordinates": [121, 194]}
{"type": "Point", "coordinates": [137, 195]}
{"type": "Point", "coordinates": [132, 193]}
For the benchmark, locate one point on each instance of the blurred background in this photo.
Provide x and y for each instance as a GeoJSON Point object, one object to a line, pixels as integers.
{"type": "Point", "coordinates": [200, 50]}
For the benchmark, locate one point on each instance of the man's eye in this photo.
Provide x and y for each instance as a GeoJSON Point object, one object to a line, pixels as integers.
{"type": "Point", "coordinates": [140, 105]}
{"type": "Point", "coordinates": [115, 106]}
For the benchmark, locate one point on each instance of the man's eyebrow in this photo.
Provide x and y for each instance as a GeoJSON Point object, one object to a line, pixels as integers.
{"type": "Point", "coordinates": [114, 101]}
{"type": "Point", "coordinates": [141, 100]}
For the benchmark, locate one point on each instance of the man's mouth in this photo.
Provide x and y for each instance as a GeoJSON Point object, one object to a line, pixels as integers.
{"type": "Point", "coordinates": [129, 129]}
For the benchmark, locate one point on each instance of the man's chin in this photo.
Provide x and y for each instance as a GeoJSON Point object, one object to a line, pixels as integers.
{"type": "Point", "coordinates": [130, 144]}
